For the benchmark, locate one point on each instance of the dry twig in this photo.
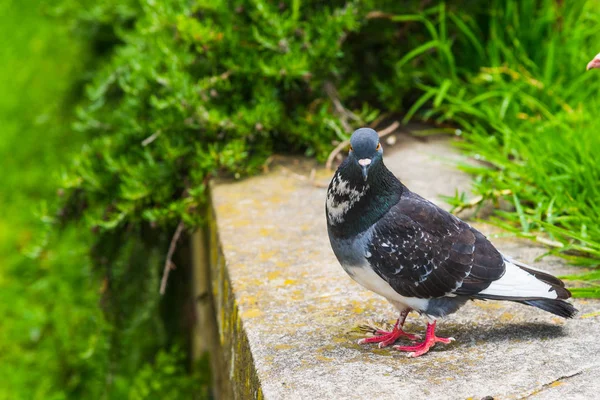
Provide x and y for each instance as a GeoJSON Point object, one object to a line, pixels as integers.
{"type": "Point", "coordinates": [375, 123]}
{"type": "Point", "coordinates": [151, 138]}
{"type": "Point", "coordinates": [379, 14]}
{"type": "Point", "coordinates": [342, 111]}
{"type": "Point", "coordinates": [169, 265]}
{"type": "Point", "coordinates": [310, 179]}
{"type": "Point", "coordinates": [391, 128]}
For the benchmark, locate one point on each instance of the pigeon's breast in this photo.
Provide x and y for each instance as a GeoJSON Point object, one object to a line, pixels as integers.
{"type": "Point", "coordinates": [353, 255]}
{"type": "Point", "coordinates": [352, 252]}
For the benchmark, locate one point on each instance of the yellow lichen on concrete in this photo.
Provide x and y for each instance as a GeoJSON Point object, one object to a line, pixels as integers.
{"type": "Point", "coordinates": [252, 313]}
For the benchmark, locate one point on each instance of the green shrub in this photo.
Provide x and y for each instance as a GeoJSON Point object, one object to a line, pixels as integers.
{"type": "Point", "coordinates": [201, 89]}
{"type": "Point", "coordinates": [59, 336]}
{"type": "Point", "coordinates": [198, 88]}
{"type": "Point", "coordinates": [53, 334]}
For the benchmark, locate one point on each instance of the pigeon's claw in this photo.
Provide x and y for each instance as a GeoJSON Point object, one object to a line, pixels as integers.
{"type": "Point", "coordinates": [430, 340]}
{"type": "Point", "coordinates": [385, 338]}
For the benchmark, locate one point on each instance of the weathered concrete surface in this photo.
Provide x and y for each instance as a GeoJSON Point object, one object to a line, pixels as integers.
{"type": "Point", "coordinates": [289, 311]}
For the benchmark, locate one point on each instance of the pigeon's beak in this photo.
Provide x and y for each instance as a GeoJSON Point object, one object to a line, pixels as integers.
{"type": "Point", "coordinates": [364, 164]}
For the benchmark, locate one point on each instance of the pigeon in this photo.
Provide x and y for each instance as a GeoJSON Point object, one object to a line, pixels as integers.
{"type": "Point", "coordinates": [418, 256]}
{"type": "Point", "coordinates": [595, 63]}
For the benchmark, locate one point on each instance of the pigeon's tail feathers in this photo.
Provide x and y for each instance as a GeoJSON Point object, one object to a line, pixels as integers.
{"type": "Point", "coordinates": [539, 274]}
{"type": "Point", "coordinates": [556, 307]}
{"type": "Point", "coordinates": [524, 284]}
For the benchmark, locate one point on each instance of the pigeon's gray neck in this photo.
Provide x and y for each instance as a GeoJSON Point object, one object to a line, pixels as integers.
{"type": "Point", "coordinates": [354, 205]}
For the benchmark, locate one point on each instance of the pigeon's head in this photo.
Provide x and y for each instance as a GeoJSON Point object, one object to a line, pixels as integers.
{"type": "Point", "coordinates": [365, 150]}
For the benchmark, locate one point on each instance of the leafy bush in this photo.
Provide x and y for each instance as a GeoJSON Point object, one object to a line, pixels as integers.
{"type": "Point", "coordinates": [201, 89]}
{"type": "Point", "coordinates": [52, 331]}
{"type": "Point", "coordinates": [193, 89]}
{"type": "Point", "coordinates": [167, 379]}
{"type": "Point", "coordinates": [59, 336]}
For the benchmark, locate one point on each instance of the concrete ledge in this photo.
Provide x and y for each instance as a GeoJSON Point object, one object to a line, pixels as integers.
{"type": "Point", "coordinates": [287, 314]}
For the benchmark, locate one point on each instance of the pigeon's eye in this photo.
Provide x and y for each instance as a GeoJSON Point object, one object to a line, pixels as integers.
{"type": "Point", "coordinates": [378, 146]}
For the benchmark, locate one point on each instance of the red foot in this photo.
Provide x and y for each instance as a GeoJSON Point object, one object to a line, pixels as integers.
{"type": "Point", "coordinates": [385, 338]}
{"type": "Point", "coordinates": [424, 346]}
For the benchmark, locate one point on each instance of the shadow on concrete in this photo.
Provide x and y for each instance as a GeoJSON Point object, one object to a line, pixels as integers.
{"type": "Point", "coordinates": [505, 332]}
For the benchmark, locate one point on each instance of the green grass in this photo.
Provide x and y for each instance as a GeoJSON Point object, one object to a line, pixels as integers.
{"type": "Point", "coordinates": [526, 107]}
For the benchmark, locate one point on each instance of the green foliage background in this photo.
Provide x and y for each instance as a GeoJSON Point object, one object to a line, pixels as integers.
{"type": "Point", "coordinates": [196, 88]}
{"type": "Point", "coordinates": [168, 93]}
{"type": "Point", "coordinates": [61, 335]}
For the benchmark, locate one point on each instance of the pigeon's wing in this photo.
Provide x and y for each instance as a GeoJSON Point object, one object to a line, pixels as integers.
{"type": "Point", "coordinates": [423, 251]}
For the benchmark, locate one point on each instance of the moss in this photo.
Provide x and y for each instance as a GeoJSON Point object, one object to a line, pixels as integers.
{"type": "Point", "coordinates": [236, 365]}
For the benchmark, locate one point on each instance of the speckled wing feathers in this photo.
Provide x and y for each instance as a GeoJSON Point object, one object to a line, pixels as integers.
{"type": "Point", "coordinates": [424, 252]}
